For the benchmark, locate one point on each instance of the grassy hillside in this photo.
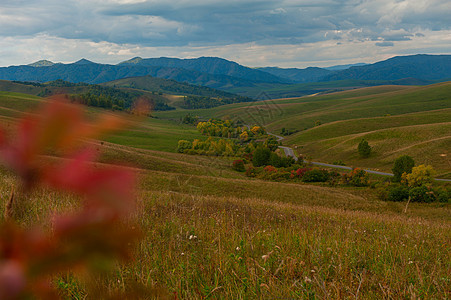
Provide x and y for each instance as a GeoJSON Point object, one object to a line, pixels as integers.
{"type": "Point", "coordinates": [167, 86]}
{"type": "Point", "coordinates": [118, 96]}
{"type": "Point", "coordinates": [325, 122]}
{"type": "Point", "coordinates": [210, 232]}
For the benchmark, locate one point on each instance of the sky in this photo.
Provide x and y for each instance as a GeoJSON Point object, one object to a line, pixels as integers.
{"type": "Point", "coordinates": [284, 33]}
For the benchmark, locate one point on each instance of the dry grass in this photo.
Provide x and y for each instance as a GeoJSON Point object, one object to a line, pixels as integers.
{"type": "Point", "coordinates": [210, 232]}
{"type": "Point", "coordinates": [213, 237]}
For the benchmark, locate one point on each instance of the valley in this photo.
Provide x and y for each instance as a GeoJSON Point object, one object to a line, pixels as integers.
{"type": "Point", "coordinates": [210, 231]}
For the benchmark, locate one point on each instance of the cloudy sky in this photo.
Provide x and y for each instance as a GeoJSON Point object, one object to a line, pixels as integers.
{"type": "Point", "coordinates": [285, 33]}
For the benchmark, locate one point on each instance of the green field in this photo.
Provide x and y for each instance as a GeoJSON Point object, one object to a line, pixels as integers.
{"type": "Point", "coordinates": [331, 126]}
{"type": "Point", "coordinates": [258, 239]}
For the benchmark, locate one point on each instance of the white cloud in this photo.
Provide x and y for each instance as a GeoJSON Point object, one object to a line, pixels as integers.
{"type": "Point", "coordinates": [254, 32]}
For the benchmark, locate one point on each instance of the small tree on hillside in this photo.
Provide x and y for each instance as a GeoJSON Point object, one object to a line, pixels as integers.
{"type": "Point", "coordinates": [421, 175]}
{"type": "Point", "coordinates": [403, 164]}
{"type": "Point", "coordinates": [364, 149]}
{"type": "Point", "coordinates": [261, 156]}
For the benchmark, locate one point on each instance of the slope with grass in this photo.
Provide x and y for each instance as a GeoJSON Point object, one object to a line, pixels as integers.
{"type": "Point", "coordinates": [210, 232]}
{"type": "Point", "coordinates": [396, 120]}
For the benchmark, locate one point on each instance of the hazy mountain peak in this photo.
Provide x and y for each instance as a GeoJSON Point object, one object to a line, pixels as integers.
{"type": "Point", "coordinates": [42, 63]}
{"type": "Point", "coordinates": [83, 61]}
{"type": "Point", "coordinates": [134, 60]}
{"type": "Point", "coordinates": [344, 67]}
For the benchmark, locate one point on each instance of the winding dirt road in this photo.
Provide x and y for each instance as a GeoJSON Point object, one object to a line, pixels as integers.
{"type": "Point", "coordinates": [290, 152]}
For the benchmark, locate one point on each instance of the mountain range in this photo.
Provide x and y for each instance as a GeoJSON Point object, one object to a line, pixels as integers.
{"type": "Point", "coordinates": [230, 76]}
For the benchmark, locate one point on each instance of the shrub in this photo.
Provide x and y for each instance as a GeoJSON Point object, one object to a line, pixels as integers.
{"type": "Point", "coordinates": [364, 149]}
{"type": "Point", "coordinates": [184, 145]}
{"type": "Point", "coordinates": [403, 164]}
{"type": "Point", "coordinates": [316, 175]}
{"type": "Point", "coordinates": [421, 194]}
{"type": "Point", "coordinates": [251, 171]}
{"type": "Point", "coordinates": [301, 172]}
{"type": "Point", "coordinates": [275, 160]}
{"type": "Point", "coordinates": [238, 165]}
{"type": "Point", "coordinates": [278, 176]}
{"type": "Point", "coordinates": [398, 194]}
{"type": "Point", "coordinates": [334, 177]}
{"type": "Point", "coordinates": [280, 162]}
{"type": "Point", "coordinates": [421, 175]}
{"type": "Point", "coordinates": [443, 195]}
{"type": "Point", "coordinates": [339, 163]}
{"type": "Point", "coordinates": [270, 169]}
{"type": "Point", "coordinates": [357, 177]}
{"type": "Point", "coordinates": [382, 193]}
{"type": "Point", "coordinates": [272, 143]}
{"type": "Point", "coordinates": [261, 156]}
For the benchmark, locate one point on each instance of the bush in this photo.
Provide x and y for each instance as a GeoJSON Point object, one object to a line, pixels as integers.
{"type": "Point", "coordinates": [280, 162]}
{"type": "Point", "coordinates": [364, 149]}
{"type": "Point", "coordinates": [403, 164]}
{"type": "Point", "coordinates": [279, 176]}
{"type": "Point", "coordinates": [334, 178]}
{"type": "Point", "coordinates": [251, 172]}
{"type": "Point", "coordinates": [382, 193]}
{"type": "Point", "coordinates": [398, 194]}
{"type": "Point", "coordinates": [238, 165]}
{"type": "Point", "coordinates": [184, 145]}
{"type": "Point", "coordinates": [270, 169]}
{"type": "Point", "coordinates": [357, 177]}
{"type": "Point", "coordinates": [316, 175]}
{"type": "Point", "coordinates": [421, 175]}
{"type": "Point", "coordinates": [301, 172]}
{"type": "Point", "coordinates": [261, 156]}
{"type": "Point", "coordinates": [443, 195]}
{"type": "Point", "coordinates": [272, 143]}
{"type": "Point", "coordinates": [421, 194]}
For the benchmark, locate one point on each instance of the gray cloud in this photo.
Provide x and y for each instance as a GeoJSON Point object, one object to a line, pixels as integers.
{"type": "Point", "coordinates": [385, 44]}
{"type": "Point", "coordinates": [214, 23]}
{"type": "Point", "coordinates": [178, 23]}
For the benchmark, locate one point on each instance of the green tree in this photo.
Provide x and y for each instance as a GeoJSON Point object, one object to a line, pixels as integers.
{"type": "Point", "coordinates": [261, 156]}
{"type": "Point", "coordinates": [403, 164]}
{"type": "Point", "coordinates": [364, 149]}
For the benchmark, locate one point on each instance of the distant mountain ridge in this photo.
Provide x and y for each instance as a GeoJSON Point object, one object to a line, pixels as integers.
{"type": "Point", "coordinates": [310, 74]}
{"type": "Point", "coordinates": [230, 76]}
{"type": "Point", "coordinates": [94, 73]}
{"type": "Point", "coordinates": [420, 66]}
{"type": "Point", "coordinates": [210, 65]}
{"type": "Point", "coordinates": [344, 67]}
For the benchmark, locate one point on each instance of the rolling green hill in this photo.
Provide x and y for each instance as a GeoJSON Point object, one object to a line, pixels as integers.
{"type": "Point", "coordinates": [197, 94]}
{"type": "Point", "coordinates": [331, 126]}
{"type": "Point", "coordinates": [209, 231]}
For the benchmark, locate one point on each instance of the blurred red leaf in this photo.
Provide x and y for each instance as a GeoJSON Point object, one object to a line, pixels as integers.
{"type": "Point", "coordinates": [28, 257]}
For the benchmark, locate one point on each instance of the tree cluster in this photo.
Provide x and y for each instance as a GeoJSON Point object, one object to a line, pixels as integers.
{"type": "Point", "coordinates": [198, 102]}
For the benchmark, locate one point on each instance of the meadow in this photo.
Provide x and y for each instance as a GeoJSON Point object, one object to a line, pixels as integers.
{"type": "Point", "coordinates": [395, 120]}
{"type": "Point", "coordinates": [211, 232]}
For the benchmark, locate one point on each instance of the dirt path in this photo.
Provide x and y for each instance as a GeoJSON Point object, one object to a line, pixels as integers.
{"type": "Point", "coordinates": [290, 152]}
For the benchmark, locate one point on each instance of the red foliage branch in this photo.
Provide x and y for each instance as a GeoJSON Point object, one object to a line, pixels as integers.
{"type": "Point", "coordinates": [29, 257]}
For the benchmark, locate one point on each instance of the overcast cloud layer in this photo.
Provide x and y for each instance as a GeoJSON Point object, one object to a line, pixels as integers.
{"type": "Point", "coordinates": [285, 33]}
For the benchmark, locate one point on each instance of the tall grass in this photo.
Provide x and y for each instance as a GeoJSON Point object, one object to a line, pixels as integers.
{"type": "Point", "coordinates": [200, 241]}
